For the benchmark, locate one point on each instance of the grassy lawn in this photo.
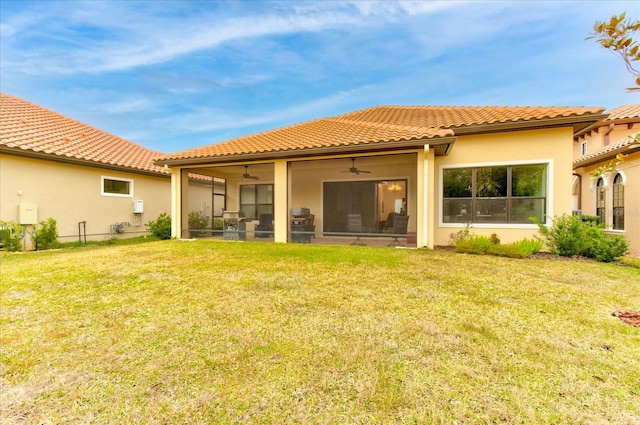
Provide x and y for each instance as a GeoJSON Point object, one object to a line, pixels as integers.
{"type": "Point", "coordinates": [226, 332]}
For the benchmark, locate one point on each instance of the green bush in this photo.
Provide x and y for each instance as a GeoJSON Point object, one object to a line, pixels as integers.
{"type": "Point", "coordinates": [474, 244]}
{"type": "Point", "coordinates": [520, 249]}
{"type": "Point", "coordinates": [602, 247]}
{"type": "Point", "coordinates": [11, 234]}
{"type": "Point", "coordinates": [160, 227]}
{"type": "Point", "coordinates": [198, 225]}
{"type": "Point", "coordinates": [46, 235]}
{"type": "Point", "coordinates": [571, 235]}
{"type": "Point", "coordinates": [564, 237]}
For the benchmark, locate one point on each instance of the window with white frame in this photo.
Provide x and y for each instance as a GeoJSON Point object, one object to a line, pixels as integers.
{"type": "Point", "coordinates": [495, 194]}
{"type": "Point", "coordinates": [618, 202]}
{"type": "Point", "coordinates": [113, 186]}
{"type": "Point", "coordinates": [583, 148]}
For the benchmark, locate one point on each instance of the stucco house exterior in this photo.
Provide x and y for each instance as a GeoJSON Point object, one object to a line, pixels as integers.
{"type": "Point", "coordinates": [442, 167]}
{"type": "Point", "coordinates": [613, 194]}
{"type": "Point", "coordinates": [94, 184]}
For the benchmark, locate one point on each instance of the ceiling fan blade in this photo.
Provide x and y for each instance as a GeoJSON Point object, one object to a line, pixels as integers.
{"type": "Point", "coordinates": [247, 176]}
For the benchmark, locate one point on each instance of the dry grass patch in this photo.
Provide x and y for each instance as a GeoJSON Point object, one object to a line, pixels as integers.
{"type": "Point", "coordinates": [223, 332]}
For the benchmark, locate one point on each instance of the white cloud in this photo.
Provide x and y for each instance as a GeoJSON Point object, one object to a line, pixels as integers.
{"type": "Point", "coordinates": [131, 37]}
{"type": "Point", "coordinates": [207, 119]}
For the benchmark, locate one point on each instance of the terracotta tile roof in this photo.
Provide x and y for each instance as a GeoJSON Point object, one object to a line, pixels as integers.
{"type": "Point", "coordinates": [624, 112]}
{"type": "Point", "coordinates": [608, 151]}
{"type": "Point", "coordinates": [33, 129]}
{"type": "Point", "coordinates": [381, 126]}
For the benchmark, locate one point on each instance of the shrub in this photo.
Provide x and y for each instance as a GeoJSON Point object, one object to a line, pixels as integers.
{"type": "Point", "coordinates": [160, 227]}
{"type": "Point", "coordinates": [474, 244]}
{"type": "Point", "coordinates": [198, 224]}
{"type": "Point", "coordinates": [521, 249]}
{"type": "Point", "coordinates": [495, 240]}
{"type": "Point", "coordinates": [11, 234]}
{"type": "Point", "coordinates": [564, 237]}
{"type": "Point", "coordinates": [459, 236]}
{"type": "Point", "coordinates": [602, 247]}
{"type": "Point", "coordinates": [46, 236]}
{"type": "Point", "coordinates": [594, 219]}
{"type": "Point", "coordinates": [571, 235]}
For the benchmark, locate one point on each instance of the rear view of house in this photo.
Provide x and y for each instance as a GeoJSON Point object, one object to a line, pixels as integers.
{"type": "Point", "coordinates": [351, 175]}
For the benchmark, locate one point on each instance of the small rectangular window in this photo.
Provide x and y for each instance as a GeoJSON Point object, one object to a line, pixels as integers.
{"type": "Point", "coordinates": [116, 187]}
{"type": "Point", "coordinates": [583, 148]}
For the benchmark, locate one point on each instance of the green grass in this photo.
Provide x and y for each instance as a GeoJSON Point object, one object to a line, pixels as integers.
{"type": "Point", "coordinates": [227, 332]}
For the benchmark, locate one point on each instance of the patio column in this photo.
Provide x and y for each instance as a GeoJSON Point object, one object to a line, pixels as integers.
{"type": "Point", "coordinates": [426, 211]}
{"type": "Point", "coordinates": [176, 202]}
{"type": "Point", "coordinates": [280, 201]}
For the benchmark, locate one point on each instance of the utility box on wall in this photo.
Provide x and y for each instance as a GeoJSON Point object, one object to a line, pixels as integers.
{"type": "Point", "coordinates": [27, 213]}
{"type": "Point", "coordinates": [138, 207]}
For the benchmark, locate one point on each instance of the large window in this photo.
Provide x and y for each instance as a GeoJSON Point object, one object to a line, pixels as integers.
{"type": "Point", "coordinates": [497, 194]}
{"type": "Point", "coordinates": [601, 201]}
{"type": "Point", "coordinates": [618, 203]}
{"type": "Point", "coordinates": [256, 199]}
{"type": "Point", "coordinates": [116, 187]}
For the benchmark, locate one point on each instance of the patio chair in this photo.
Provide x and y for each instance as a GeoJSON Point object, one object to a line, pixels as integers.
{"type": "Point", "coordinates": [354, 225]}
{"type": "Point", "coordinates": [264, 229]}
{"type": "Point", "coordinates": [399, 228]}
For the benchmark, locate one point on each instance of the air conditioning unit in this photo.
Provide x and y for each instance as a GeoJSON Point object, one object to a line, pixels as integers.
{"type": "Point", "coordinates": [138, 207]}
{"type": "Point", "coordinates": [577, 212]}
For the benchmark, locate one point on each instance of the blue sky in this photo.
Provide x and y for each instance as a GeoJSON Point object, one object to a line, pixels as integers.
{"type": "Point", "coordinates": [175, 75]}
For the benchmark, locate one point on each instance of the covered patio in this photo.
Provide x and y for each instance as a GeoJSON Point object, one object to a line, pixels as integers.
{"type": "Point", "coordinates": [360, 198]}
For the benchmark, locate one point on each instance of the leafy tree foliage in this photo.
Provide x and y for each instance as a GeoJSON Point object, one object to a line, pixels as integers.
{"type": "Point", "coordinates": [617, 36]}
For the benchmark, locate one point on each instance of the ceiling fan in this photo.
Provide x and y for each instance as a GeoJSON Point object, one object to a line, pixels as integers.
{"type": "Point", "coordinates": [247, 176]}
{"type": "Point", "coordinates": [353, 170]}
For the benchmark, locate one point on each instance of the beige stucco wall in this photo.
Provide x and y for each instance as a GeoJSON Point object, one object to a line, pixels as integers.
{"type": "Point", "coordinates": [72, 193]}
{"type": "Point", "coordinates": [552, 146]}
{"type": "Point", "coordinates": [602, 136]}
{"type": "Point", "coordinates": [630, 169]}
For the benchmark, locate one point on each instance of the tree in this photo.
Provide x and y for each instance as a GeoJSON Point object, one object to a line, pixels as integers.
{"type": "Point", "coordinates": [617, 36]}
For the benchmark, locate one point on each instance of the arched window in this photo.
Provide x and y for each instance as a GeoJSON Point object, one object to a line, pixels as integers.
{"type": "Point", "coordinates": [618, 202]}
{"type": "Point", "coordinates": [601, 211]}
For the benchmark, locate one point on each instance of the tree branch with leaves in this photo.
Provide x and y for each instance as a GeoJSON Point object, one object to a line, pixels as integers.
{"type": "Point", "coordinates": [617, 35]}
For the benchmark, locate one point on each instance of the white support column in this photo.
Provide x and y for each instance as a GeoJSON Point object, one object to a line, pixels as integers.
{"type": "Point", "coordinates": [421, 219]}
{"type": "Point", "coordinates": [431, 195]}
{"type": "Point", "coordinates": [176, 197]}
{"type": "Point", "coordinates": [425, 196]}
{"type": "Point", "coordinates": [280, 201]}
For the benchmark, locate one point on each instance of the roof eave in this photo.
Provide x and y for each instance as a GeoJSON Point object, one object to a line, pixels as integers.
{"type": "Point", "coordinates": [579, 123]}
{"type": "Point", "coordinates": [441, 144]}
{"type": "Point", "coordinates": [87, 163]}
{"type": "Point", "coordinates": [606, 156]}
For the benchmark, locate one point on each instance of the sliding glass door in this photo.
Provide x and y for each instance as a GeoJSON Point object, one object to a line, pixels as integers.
{"type": "Point", "coordinates": [373, 200]}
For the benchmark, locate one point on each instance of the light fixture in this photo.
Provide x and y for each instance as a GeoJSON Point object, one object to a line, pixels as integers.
{"type": "Point", "coordinates": [394, 187]}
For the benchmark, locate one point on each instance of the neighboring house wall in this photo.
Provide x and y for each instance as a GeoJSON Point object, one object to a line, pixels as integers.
{"type": "Point", "coordinates": [630, 171]}
{"type": "Point", "coordinates": [72, 193]}
{"type": "Point", "coordinates": [552, 147]}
